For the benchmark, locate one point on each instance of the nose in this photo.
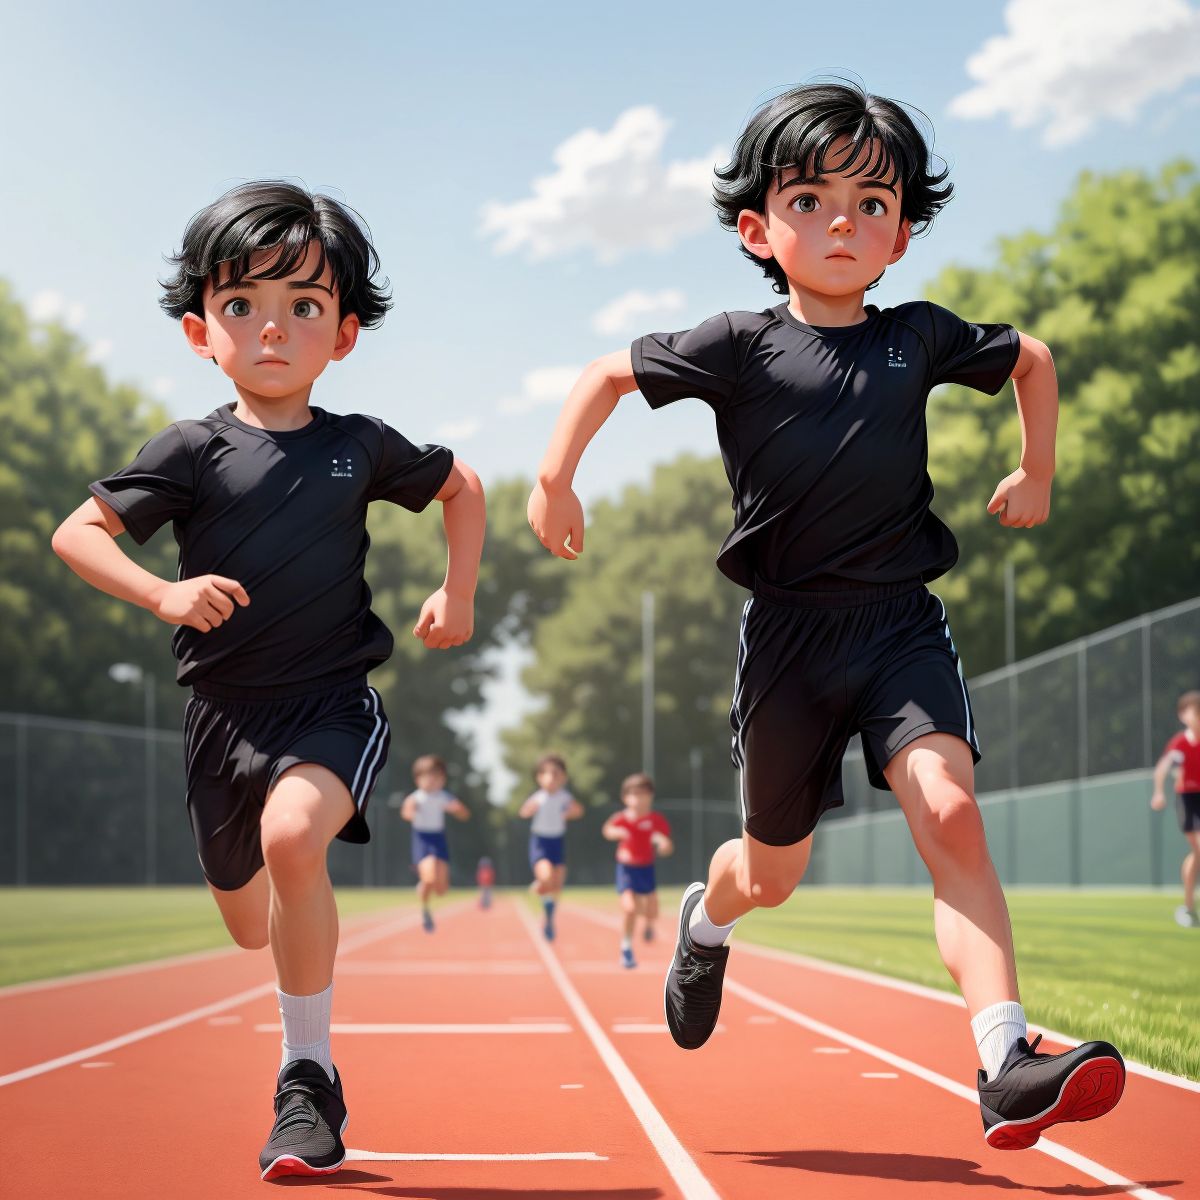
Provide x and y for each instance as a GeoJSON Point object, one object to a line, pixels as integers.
{"type": "Point", "coordinates": [272, 335]}
{"type": "Point", "coordinates": [841, 226]}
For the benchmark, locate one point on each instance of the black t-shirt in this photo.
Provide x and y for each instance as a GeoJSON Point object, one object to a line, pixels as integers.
{"type": "Point", "coordinates": [283, 513]}
{"type": "Point", "coordinates": [822, 431]}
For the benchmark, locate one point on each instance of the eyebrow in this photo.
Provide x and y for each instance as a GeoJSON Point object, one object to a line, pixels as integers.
{"type": "Point", "coordinates": [817, 180]}
{"type": "Point", "coordinates": [250, 284]}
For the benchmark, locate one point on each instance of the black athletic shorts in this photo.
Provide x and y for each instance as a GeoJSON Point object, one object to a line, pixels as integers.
{"type": "Point", "coordinates": [1187, 805]}
{"type": "Point", "coordinates": [816, 667]}
{"type": "Point", "coordinates": [237, 743]}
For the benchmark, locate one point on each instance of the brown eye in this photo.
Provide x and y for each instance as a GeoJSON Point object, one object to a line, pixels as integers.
{"type": "Point", "coordinates": [879, 209]}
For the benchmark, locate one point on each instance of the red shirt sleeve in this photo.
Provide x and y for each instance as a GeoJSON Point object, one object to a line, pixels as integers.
{"type": "Point", "coordinates": [1174, 747]}
{"type": "Point", "coordinates": [662, 825]}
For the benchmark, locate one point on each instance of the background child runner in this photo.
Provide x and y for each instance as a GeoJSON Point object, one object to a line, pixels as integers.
{"type": "Point", "coordinates": [1182, 753]}
{"type": "Point", "coordinates": [548, 810]}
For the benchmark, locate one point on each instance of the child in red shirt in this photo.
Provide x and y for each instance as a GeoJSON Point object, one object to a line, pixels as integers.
{"type": "Point", "coordinates": [639, 832]}
{"type": "Point", "coordinates": [1183, 752]}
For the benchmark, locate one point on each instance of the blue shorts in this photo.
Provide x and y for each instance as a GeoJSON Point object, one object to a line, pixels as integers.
{"type": "Point", "coordinates": [425, 844]}
{"type": "Point", "coordinates": [639, 880]}
{"type": "Point", "coordinates": [549, 848]}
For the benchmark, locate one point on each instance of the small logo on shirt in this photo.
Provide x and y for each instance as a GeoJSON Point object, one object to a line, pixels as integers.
{"type": "Point", "coordinates": [896, 357]}
{"type": "Point", "coordinates": [342, 469]}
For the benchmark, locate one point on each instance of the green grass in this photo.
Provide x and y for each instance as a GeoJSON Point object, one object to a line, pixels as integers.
{"type": "Point", "coordinates": [1092, 964]}
{"type": "Point", "coordinates": [46, 932]}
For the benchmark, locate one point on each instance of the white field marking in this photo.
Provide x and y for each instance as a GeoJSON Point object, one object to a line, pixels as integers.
{"type": "Point", "coordinates": [879, 1075]}
{"type": "Point", "coordinates": [91, 1066]}
{"type": "Point", "coordinates": [436, 966]}
{"type": "Point", "coordinates": [1085, 1166]}
{"type": "Point", "coordinates": [649, 1027]}
{"type": "Point", "coordinates": [154, 964]}
{"type": "Point", "coordinates": [408, 1027]}
{"type": "Point", "coordinates": [830, 1050]}
{"type": "Point", "coordinates": [532, 1020]}
{"type": "Point", "coordinates": [196, 1014]}
{"type": "Point", "coordinates": [903, 985]}
{"type": "Point", "coordinates": [670, 1149]}
{"type": "Point", "coordinates": [387, 1156]}
{"type": "Point", "coordinates": [570, 1087]}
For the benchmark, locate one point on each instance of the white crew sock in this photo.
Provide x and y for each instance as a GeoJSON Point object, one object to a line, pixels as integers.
{"type": "Point", "coordinates": [703, 932]}
{"type": "Point", "coordinates": [627, 943]}
{"type": "Point", "coordinates": [306, 1028]}
{"type": "Point", "coordinates": [996, 1030]}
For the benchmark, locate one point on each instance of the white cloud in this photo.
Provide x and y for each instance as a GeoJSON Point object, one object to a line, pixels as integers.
{"type": "Point", "coordinates": [49, 305]}
{"type": "Point", "coordinates": [623, 313]}
{"type": "Point", "coordinates": [546, 385]}
{"type": "Point", "coordinates": [611, 192]}
{"type": "Point", "coordinates": [1069, 64]}
{"type": "Point", "coordinates": [458, 431]}
{"type": "Point", "coordinates": [99, 350]}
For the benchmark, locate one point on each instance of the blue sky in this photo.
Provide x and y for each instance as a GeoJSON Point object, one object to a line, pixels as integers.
{"type": "Point", "coordinates": [123, 120]}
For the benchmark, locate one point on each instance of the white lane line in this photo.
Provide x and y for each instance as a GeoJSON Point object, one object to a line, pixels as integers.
{"type": "Point", "coordinates": [196, 1014]}
{"type": "Point", "coordinates": [830, 1050]}
{"type": "Point", "coordinates": [649, 1027]}
{"type": "Point", "coordinates": [1052, 1149]}
{"type": "Point", "coordinates": [561, 1156]}
{"type": "Point", "coordinates": [92, 1066]}
{"type": "Point", "coordinates": [670, 1149]}
{"type": "Point", "coordinates": [879, 1075]}
{"type": "Point", "coordinates": [570, 1087]}
{"type": "Point", "coordinates": [435, 966]}
{"type": "Point", "coordinates": [409, 1027]}
{"type": "Point", "coordinates": [792, 958]}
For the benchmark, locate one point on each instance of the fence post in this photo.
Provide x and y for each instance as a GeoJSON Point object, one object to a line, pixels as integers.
{"type": "Point", "coordinates": [1076, 803]}
{"type": "Point", "coordinates": [22, 830]}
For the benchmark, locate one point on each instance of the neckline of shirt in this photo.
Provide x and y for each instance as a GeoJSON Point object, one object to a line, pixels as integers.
{"type": "Point", "coordinates": [786, 315]}
{"type": "Point", "coordinates": [225, 413]}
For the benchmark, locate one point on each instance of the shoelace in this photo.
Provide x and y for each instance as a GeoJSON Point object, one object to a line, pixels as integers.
{"type": "Point", "coordinates": [297, 1106]}
{"type": "Point", "coordinates": [1035, 1043]}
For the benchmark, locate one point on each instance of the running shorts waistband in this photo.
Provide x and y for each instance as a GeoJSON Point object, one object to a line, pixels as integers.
{"type": "Point", "coordinates": [223, 691]}
{"type": "Point", "coordinates": [831, 592]}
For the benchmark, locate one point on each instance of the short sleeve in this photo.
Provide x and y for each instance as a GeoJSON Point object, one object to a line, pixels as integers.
{"type": "Point", "coordinates": [1174, 749]}
{"type": "Point", "coordinates": [157, 487]}
{"type": "Point", "coordinates": [664, 826]}
{"type": "Point", "coordinates": [700, 362]}
{"type": "Point", "coordinates": [408, 475]}
{"type": "Point", "coordinates": [978, 356]}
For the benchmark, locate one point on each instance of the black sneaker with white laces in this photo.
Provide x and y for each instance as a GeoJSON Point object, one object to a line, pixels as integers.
{"type": "Point", "coordinates": [692, 995]}
{"type": "Point", "coordinates": [1032, 1091]}
{"type": "Point", "coordinates": [310, 1117]}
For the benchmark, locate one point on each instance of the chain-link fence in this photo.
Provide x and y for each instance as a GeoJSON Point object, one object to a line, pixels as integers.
{"type": "Point", "coordinates": [88, 803]}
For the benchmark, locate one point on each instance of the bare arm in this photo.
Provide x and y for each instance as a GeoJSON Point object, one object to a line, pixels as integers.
{"type": "Point", "coordinates": [456, 808]}
{"type": "Point", "coordinates": [1162, 769]}
{"type": "Point", "coordinates": [613, 832]}
{"type": "Point", "coordinates": [664, 845]}
{"type": "Point", "coordinates": [575, 811]}
{"type": "Point", "coordinates": [448, 616]}
{"type": "Point", "coordinates": [555, 514]}
{"type": "Point", "coordinates": [1023, 498]}
{"type": "Point", "coordinates": [528, 808]}
{"type": "Point", "coordinates": [408, 810]}
{"type": "Point", "coordinates": [86, 542]}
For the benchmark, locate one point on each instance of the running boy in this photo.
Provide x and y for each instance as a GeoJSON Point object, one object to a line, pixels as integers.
{"type": "Point", "coordinates": [640, 833]}
{"type": "Point", "coordinates": [274, 632]}
{"type": "Point", "coordinates": [550, 808]}
{"type": "Point", "coordinates": [820, 414]}
{"type": "Point", "coordinates": [1183, 754]}
{"type": "Point", "coordinates": [427, 809]}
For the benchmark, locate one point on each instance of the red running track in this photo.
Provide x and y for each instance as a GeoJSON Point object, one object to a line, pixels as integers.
{"type": "Point", "coordinates": [551, 1068]}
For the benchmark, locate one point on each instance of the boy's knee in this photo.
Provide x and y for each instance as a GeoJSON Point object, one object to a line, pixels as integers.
{"type": "Point", "coordinates": [768, 891]}
{"type": "Point", "coordinates": [292, 846]}
{"type": "Point", "coordinates": [249, 936]}
{"type": "Point", "coordinates": [954, 829]}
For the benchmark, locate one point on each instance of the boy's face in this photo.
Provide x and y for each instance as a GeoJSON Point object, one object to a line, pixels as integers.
{"type": "Point", "coordinates": [1189, 718]}
{"type": "Point", "coordinates": [550, 778]}
{"type": "Point", "coordinates": [639, 800]}
{"type": "Point", "coordinates": [273, 337]}
{"type": "Point", "coordinates": [430, 781]}
{"type": "Point", "coordinates": [831, 236]}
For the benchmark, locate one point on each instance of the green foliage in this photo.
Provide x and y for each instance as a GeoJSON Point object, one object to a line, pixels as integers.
{"type": "Point", "coordinates": [1113, 289]}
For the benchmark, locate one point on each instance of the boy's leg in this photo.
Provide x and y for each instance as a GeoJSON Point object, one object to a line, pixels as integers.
{"type": "Point", "coordinates": [933, 780]}
{"type": "Point", "coordinates": [650, 915]}
{"type": "Point", "coordinates": [629, 910]}
{"type": "Point", "coordinates": [426, 879]}
{"type": "Point", "coordinates": [441, 880]}
{"type": "Point", "coordinates": [245, 909]}
{"type": "Point", "coordinates": [543, 876]}
{"type": "Point", "coordinates": [746, 874]}
{"type": "Point", "coordinates": [1188, 871]}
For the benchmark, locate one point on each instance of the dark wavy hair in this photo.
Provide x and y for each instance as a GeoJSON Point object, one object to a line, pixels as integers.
{"type": "Point", "coordinates": [272, 214]}
{"type": "Point", "coordinates": [797, 129]}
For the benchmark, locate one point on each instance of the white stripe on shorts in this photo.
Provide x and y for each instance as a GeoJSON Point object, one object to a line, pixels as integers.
{"type": "Point", "coordinates": [372, 749]}
{"type": "Point", "coordinates": [962, 682]}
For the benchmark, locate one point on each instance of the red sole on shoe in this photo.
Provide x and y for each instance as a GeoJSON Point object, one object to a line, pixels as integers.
{"type": "Point", "coordinates": [296, 1166]}
{"type": "Point", "coordinates": [1090, 1092]}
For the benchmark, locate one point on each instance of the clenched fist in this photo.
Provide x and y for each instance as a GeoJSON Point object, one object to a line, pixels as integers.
{"type": "Point", "coordinates": [202, 603]}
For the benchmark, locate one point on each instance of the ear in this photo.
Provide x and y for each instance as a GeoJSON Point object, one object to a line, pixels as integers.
{"type": "Point", "coordinates": [196, 331]}
{"type": "Point", "coordinates": [903, 237]}
{"type": "Point", "coordinates": [752, 229]}
{"type": "Point", "coordinates": [347, 335]}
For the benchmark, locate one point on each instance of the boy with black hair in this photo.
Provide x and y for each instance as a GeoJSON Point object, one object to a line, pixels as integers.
{"type": "Point", "coordinates": [268, 496]}
{"type": "Point", "coordinates": [1182, 754]}
{"type": "Point", "coordinates": [820, 414]}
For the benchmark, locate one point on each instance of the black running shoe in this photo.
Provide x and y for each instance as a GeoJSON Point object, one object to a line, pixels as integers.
{"type": "Point", "coordinates": [1032, 1091]}
{"type": "Point", "coordinates": [692, 996]}
{"type": "Point", "coordinates": [310, 1117]}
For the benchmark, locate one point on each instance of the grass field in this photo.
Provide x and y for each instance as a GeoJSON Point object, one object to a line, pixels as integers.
{"type": "Point", "coordinates": [1093, 964]}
